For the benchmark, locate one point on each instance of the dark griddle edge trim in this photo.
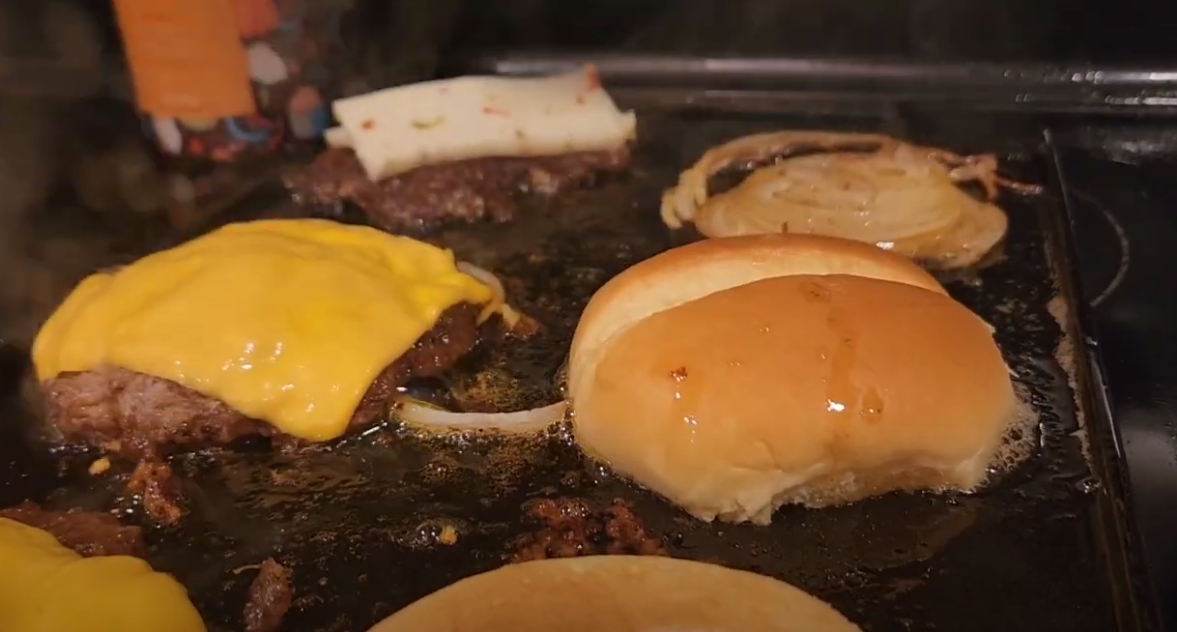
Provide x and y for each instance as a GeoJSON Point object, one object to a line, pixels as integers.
{"type": "Point", "coordinates": [1119, 539]}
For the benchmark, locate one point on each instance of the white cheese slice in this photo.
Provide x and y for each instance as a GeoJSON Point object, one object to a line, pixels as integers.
{"type": "Point", "coordinates": [399, 129]}
{"type": "Point", "coordinates": [337, 137]}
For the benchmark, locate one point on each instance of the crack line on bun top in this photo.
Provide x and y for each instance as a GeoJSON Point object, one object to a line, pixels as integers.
{"type": "Point", "coordinates": [735, 375]}
{"type": "Point", "coordinates": [298, 329]}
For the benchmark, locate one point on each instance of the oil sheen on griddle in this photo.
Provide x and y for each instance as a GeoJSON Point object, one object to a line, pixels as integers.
{"type": "Point", "coordinates": [375, 522]}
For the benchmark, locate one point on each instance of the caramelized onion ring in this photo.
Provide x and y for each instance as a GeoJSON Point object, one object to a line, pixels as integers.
{"type": "Point", "coordinates": [864, 187]}
{"type": "Point", "coordinates": [425, 416]}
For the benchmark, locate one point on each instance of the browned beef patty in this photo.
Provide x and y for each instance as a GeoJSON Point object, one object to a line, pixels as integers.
{"type": "Point", "coordinates": [141, 416]}
{"type": "Point", "coordinates": [466, 190]}
{"type": "Point", "coordinates": [90, 533]}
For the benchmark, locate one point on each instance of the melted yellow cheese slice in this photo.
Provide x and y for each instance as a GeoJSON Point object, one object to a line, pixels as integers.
{"type": "Point", "coordinates": [287, 321]}
{"type": "Point", "coordinates": [46, 587]}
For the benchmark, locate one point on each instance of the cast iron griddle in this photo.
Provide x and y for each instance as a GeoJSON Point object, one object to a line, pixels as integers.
{"type": "Point", "coordinates": [1122, 175]}
{"type": "Point", "coordinates": [1041, 548]}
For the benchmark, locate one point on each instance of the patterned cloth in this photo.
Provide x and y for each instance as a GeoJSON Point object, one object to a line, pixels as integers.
{"type": "Point", "coordinates": [288, 76]}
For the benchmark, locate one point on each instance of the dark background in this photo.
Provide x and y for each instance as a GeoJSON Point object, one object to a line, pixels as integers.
{"type": "Point", "coordinates": [395, 38]}
{"type": "Point", "coordinates": [1104, 31]}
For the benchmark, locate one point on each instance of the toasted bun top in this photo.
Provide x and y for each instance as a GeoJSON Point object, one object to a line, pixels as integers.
{"type": "Point", "coordinates": [741, 374]}
{"type": "Point", "coordinates": [617, 594]}
{"type": "Point", "coordinates": [695, 270]}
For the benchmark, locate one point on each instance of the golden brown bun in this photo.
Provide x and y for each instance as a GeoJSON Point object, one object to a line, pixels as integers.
{"type": "Point", "coordinates": [799, 379]}
{"type": "Point", "coordinates": [695, 270]}
{"type": "Point", "coordinates": [617, 594]}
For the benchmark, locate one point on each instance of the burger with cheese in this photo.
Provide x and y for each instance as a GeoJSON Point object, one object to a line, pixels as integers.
{"type": "Point", "coordinates": [417, 156]}
{"type": "Point", "coordinates": [297, 328]}
{"type": "Point", "coordinates": [736, 375]}
{"type": "Point", "coordinates": [635, 594]}
{"type": "Point", "coordinates": [46, 587]}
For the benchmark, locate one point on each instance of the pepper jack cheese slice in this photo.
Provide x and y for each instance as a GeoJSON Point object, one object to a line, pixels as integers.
{"type": "Point", "coordinates": [399, 129]}
{"type": "Point", "coordinates": [46, 587]}
{"type": "Point", "coordinates": [286, 321]}
{"type": "Point", "coordinates": [337, 137]}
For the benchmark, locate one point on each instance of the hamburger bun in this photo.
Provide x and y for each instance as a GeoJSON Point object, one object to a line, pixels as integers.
{"type": "Point", "coordinates": [617, 594]}
{"type": "Point", "coordinates": [736, 375]}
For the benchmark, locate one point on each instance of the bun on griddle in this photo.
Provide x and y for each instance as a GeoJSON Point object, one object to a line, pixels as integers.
{"type": "Point", "coordinates": [736, 375]}
{"type": "Point", "coordinates": [617, 594]}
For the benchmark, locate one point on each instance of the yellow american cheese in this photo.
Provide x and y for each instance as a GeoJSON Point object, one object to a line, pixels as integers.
{"type": "Point", "coordinates": [46, 587]}
{"type": "Point", "coordinates": [287, 321]}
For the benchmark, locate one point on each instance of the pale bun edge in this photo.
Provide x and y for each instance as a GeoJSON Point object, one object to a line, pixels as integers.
{"type": "Point", "coordinates": [647, 594]}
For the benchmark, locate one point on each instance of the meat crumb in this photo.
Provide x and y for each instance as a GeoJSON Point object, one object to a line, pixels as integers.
{"type": "Point", "coordinates": [141, 417]}
{"type": "Point", "coordinates": [572, 529]}
{"type": "Point", "coordinates": [525, 328]}
{"type": "Point", "coordinates": [270, 596]}
{"type": "Point", "coordinates": [283, 478]}
{"type": "Point", "coordinates": [448, 535]}
{"type": "Point", "coordinates": [154, 486]}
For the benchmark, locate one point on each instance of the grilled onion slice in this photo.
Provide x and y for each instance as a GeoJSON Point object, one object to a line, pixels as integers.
{"type": "Point", "coordinates": [865, 187]}
{"type": "Point", "coordinates": [425, 416]}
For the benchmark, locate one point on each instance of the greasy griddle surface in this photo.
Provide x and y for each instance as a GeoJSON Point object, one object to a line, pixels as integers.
{"type": "Point", "coordinates": [358, 523]}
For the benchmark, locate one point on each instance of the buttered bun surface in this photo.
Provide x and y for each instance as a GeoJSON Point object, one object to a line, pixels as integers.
{"type": "Point", "coordinates": [617, 594]}
{"type": "Point", "coordinates": [736, 375]}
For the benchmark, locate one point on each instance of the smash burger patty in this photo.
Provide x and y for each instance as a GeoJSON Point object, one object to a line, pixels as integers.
{"type": "Point", "coordinates": [297, 329]}
{"type": "Point", "coordinates": [467, 190]}
{"type": "Point", "coordinates": [141, 415]}
{"type": "Point", "coordinates": [416, 155]}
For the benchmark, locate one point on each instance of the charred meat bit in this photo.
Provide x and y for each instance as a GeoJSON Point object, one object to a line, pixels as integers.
{"type": "Point", "coordinates": [154, 486]}
{"type": "Point", "coordinates": [141, 416]}
{"type": "Point", "coordinates": [625, 531]}
{"type": "Point", "coordinates": [90, 533]}
{"type": "Point", "coordinates": [270, 596]}
{"type": "Point", "coordinates": [572, 529]}
{"type": "Point", "coordinates": [467, 190]}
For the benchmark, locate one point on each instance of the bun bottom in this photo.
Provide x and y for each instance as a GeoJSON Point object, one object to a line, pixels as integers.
{"type": "Point", "coordinates": [618, 594]}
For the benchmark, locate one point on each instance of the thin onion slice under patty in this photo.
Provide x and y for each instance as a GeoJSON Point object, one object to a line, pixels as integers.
{"type": "Point", "coordinates": [424, 416]}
